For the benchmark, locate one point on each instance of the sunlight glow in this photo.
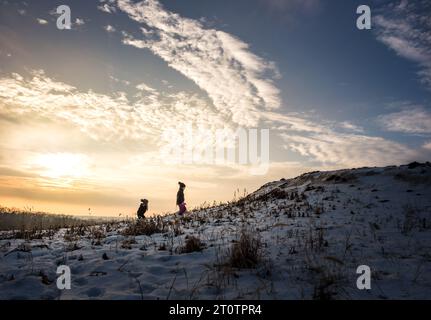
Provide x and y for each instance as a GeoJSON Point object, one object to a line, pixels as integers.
{"type": "Point", "coordinates": [62, 165]}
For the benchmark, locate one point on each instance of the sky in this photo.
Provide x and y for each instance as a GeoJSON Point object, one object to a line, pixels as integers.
{"type": "Point", "coordinates": [94, 118]}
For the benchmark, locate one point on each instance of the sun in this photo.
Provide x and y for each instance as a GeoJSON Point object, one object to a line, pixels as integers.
{"type": "Point", "coordinates": [61, 165]}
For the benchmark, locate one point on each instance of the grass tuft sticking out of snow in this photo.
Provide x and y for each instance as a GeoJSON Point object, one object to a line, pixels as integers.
{"type": "Point", "coordinates": [193, 244]}
{"type": "Point", "coordinates": [247, 252]}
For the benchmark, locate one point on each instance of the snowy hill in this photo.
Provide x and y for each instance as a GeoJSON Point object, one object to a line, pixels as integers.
{"type": "Point", "coordinates": [300, 238]}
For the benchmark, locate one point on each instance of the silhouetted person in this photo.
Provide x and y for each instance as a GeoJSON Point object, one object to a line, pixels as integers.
{"type": "Point", "coordinates": [180, 199]}
{"type": "Point", "coordinates": [142, 208]}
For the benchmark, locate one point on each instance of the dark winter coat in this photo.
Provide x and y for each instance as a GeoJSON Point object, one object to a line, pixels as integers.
{"type": "Point", "coordinates": [180, 196]}
{"type": "Point", "coordinates": [142, 209]}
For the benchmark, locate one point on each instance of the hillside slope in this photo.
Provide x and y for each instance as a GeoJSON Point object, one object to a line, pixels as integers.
{"type": "Point", "coordinates": [300, 238]}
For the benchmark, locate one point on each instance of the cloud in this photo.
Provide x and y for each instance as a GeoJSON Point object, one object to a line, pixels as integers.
{"type": "Point", "coordinates": [291, 122]}
{"type": "Point", "coordinates": [232, 76]}
{"type": "Point", "coordinates": [41, 21]}
{"type": "Point", "coordinates": [124, 82]}
{"type": "Point", "coordinates": [145, 87]}
{"type": "Point", "coordinates": [41, 96]}
{"type": "Point", "coordinates": [406, 28]}
{"type": "Point", "coordinates": [106, 6]}
{"type": "Point", "coordinates": [239, 85]}
{"type": "Point", "coordinates": [349, 150]}
{"type": "Point", "coordinates": [146, 117]}
{"type": "Point", "coordinates": [61, 165]}
{"type": "Point", "coordinates": [105, 117]}
{"type": "Point", "coordinates": [427, 145]}
{"type": "Point", "coordinates": [79, 22]}
{"type": "Point", "coordinates": [415, 121]}
{"type": "Point", "coordinates": [235, 79]}
{"type": "Point", "coordinates": [10, 172]}
{"type": "Point", "coordinates": [351, 127]}
{"type": "Point", "coordinates": [320, 142]}
{"type": "Point", "coordinates": [109, 28]}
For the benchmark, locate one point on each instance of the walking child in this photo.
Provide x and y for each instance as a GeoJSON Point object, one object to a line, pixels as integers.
{"type": "Point", "coordinates": [180, 199]}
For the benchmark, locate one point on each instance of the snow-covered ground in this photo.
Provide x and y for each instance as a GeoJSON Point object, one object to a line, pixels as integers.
{"type": "Point", "coordinates": [312, 232]}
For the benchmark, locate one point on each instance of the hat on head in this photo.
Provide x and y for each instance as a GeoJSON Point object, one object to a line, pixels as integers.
{"type": "Point", "coordinates": [144, 200]}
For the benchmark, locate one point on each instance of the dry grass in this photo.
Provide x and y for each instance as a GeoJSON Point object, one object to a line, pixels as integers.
{"type": "Point", "coordinates": [315, 239]}
{"type": "Point", "coordinates": [328, 274]}
{"type": "Point", "coordinates": [15, 219]}
{"type": "Point", "coordinates": [75, 232]}
{"type": "Point", "coordinates": [193, 244]}
{"type": "Point", "coordinates": [246, 253]}
{"type": "Point", "coordinates": [144, 227]}
{"type": "Point", "coordinates": [97, 234]}
{"type": "Point", "coordinates": [28, 225]}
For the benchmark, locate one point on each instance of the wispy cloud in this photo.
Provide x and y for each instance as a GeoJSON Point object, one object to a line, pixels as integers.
{"type": "Point", "coordinates": [405, 27]}
{"type": "Point", "coordinates": [347, 125]}
{"type": "Point", "coordinates": [234, 79]}
{"type": "Point", "coordinates": [109, 28]}
{"type": "Point", "coordinates": [145, 87]}
{"type": "Point", "coordinates": [41, 21]}
{"type": "Point", "coordinates": [413, 120]}
{"type": "Point", "coordinates": [117, 118]}
{"type": "Point", "coordinates": [349, 150]}
{"type": "Point", "coordinates": [427, 145]}
{"type": "Point", "coordinates": [79, 21]}
{"type": "Point", "coordinates": [320, 142]}
{"type": "Point", "coordinates": [223, 66]}
{"type": "Point", "coordinates": [116, 80]}
{"type": "Point", "coordinates": [105, 117]}
{"type": "Point", "coordinates": [107, 6]}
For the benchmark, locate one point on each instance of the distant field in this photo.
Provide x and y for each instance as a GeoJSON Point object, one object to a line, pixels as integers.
{"type": "Point", "coordinates": [15, 219]}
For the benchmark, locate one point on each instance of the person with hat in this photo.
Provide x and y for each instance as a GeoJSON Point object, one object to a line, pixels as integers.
{"type": "Point", "coordinates": [142, 209]}
{"type": "Point", "coordinates": [180, 199]}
